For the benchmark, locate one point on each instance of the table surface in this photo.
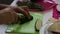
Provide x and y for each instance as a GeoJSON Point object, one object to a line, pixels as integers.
{"type": "Point", "coordinates": [45, 19]}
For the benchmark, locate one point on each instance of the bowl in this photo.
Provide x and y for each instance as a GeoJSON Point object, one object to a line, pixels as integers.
{"type": "Point", "coordinates": [44, 28]}
{"type": "Point", "coordinates": [51, 28]}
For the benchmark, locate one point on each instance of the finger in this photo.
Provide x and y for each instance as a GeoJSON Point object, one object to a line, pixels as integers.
{"type": "Point", "coordinates": [25, 8]}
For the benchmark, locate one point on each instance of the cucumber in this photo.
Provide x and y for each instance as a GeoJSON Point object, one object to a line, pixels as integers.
{"type": "Point", "coordinates": [30, 5]}
{"type": "Point", "coordinates": [22, 19]}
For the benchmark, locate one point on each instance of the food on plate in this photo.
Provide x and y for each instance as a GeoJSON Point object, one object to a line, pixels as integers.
{"type": "Point", "coordinates": [38, 25]}
{"type": "Point", "coordinates": [55, 28]}
{"type": "Point", "coordinates": [26, 28]}
{"type": "Point", "coordinates": [6, 1]}
{"type": "Point", "coordinates": [30, 5]}
{"type": "Point", "coordinates": [58, 8]}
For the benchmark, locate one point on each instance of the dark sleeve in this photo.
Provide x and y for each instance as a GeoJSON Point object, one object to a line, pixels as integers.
{"type": "Point", "coordinates": [36, 1]}
{"type": "Point", "coordinates": [8, 2]}
{"type": "Point", "coordinates": [2, 6]}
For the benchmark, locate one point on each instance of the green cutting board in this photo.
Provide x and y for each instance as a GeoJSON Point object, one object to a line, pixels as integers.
{"type": "Point", "coordinates": [26, 28]}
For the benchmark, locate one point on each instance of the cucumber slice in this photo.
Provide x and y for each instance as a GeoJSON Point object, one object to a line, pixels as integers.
{"type": "Point", "coordinates": [38, 25]}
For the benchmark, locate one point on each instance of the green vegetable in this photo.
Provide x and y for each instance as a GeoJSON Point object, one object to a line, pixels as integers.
{"type": "Point", "coordinates": [23, 19]}
{"type": "Point", "coordinates": [30, 5]}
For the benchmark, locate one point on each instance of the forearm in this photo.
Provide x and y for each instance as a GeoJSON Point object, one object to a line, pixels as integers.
{"type": "Point", "coordinates": [25, 12]}
{"type": "Point", "coordinates": [17, 9]}
{"type": "Point", "coordinates": [2, 6]}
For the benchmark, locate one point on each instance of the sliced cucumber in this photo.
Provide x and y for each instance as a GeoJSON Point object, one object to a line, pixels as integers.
{"type": "Point", "coordinates": [38, 25]}
{"type": "Point", "coordinates": [30, 5]}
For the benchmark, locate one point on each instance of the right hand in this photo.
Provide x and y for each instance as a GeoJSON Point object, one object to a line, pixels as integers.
{"type": "Point", "coordinates": [23, 10]}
